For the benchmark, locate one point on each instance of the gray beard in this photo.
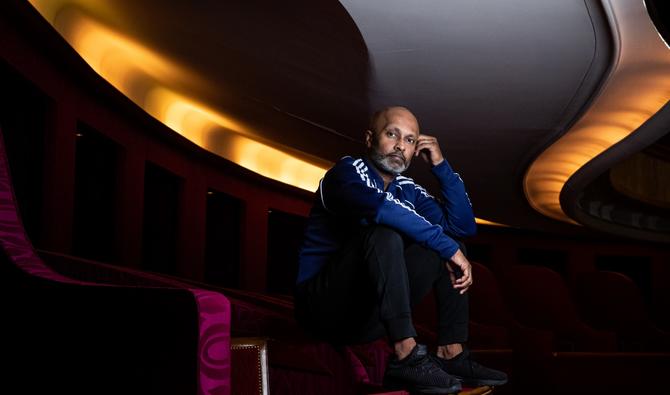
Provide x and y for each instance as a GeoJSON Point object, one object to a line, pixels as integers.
{"type": "Point", "coordinates": [383, 162]}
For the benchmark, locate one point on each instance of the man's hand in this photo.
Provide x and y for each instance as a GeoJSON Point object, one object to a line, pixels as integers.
{"type": "Point", "coordinates": [465, 280]}
{"type": "Point", "coordinates": [429, 149]}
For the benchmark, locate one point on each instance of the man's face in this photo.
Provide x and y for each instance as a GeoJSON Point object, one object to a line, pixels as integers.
{"type": "Point", "coordinates": [391, 145]}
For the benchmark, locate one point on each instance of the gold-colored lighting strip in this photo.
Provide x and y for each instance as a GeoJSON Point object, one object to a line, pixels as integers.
{"type": "Point", "coordinates": [481, 221]}
{"type": "Point", "coordinates": [637, 88]}
{"type": "Point", "coordinates": [150, 80]}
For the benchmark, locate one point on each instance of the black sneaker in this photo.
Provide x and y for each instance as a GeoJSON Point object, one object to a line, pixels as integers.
{"type": "Point", "coordinates": [469, 372]}
{"type": "Point", "coordinates": [418, 372]}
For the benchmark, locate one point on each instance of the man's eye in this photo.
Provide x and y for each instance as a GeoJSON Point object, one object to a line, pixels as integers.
{"type": "Point", "coordinates": [410, 141]}
{"type": "Point", "coordinates": [390, 134]}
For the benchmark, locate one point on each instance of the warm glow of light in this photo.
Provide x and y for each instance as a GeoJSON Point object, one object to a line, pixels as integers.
{"type": "Point", "coordinates": [276, 164]}
{"type": "Point", "coordinates": [480, 221]}
{"type": "Point", "coordinates": [217, 133]}
{"type": "Point", "coordinates": [52, 9]}
{"type": "Point", "coordinates": [637, 88]}
{"type": "Point", "coordinates": [191, 119]}
{"type": "Point", "coordinates": [151, 80]}
{"type": "Point", "coordinates": [117, 58]}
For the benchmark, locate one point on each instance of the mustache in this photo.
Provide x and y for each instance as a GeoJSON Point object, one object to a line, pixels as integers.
{"type": "Point", "coordinates": [399, 156]}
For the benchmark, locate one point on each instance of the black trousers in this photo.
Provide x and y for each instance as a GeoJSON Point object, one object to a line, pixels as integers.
{"type": "Point", "coordinates": [367, 290]}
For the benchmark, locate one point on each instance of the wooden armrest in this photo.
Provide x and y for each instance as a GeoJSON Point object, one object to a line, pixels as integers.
{"type": "Point", "coordinates": [249, 365]}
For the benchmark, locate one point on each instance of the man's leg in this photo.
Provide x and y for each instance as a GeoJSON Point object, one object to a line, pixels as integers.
{"type": "Point", "coordinates": [453, 312]}
{"type": "Point", "coordinates": [361, 294]}
{"type": "Point", "coordinates": [426, 270]}
{"type": "Point", "coordinates": [453, 318]}
{"type": "Point", "coordinates": [370, 276]}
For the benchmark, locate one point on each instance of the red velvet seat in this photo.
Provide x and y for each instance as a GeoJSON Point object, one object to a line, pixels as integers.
{"type": "Point", "coordinates": [612, 301]}
{"type": "Point", "coordinates": [540, 299]}
{"type": "Point", "coordinates": [63, 335]}
{"type": "Point", "coordinates": [489, 310]}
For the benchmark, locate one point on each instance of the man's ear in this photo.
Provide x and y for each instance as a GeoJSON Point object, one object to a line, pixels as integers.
{"type": "Point", "coordinates": [368, 138]}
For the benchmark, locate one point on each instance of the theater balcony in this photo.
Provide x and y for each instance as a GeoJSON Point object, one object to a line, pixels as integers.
{"type": "Point", "coordinates": [159, 160]}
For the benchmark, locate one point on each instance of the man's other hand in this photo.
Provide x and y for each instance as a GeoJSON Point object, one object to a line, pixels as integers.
{"type": "Point", "coordinates": [463, 282]}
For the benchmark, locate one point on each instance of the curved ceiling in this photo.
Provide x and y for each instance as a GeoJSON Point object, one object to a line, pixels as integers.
{"type": "Point", "coordinates": [636, 88]}
{"type": "Point", "coordinates": [496, 82]}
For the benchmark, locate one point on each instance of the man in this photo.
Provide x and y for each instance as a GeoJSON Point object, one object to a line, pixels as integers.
{"type": "Point", "coordinates": [375, 244]}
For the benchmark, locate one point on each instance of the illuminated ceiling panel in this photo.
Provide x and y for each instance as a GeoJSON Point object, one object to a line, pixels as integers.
{"type": "Point", "coordinates": [637, 88]}
{"type": "Point", "coordinates": [151, 81]}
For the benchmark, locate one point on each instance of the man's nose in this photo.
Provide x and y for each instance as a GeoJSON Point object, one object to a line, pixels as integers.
{"type": "Point", "coordinates": [400, 145]}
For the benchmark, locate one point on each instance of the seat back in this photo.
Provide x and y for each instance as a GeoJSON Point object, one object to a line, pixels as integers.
{"type": "Point", "coordinates": [539, 298]}
{"type": "Point", "coordinates": [487, 303]}
{"type": "Point", "coordinates": [610, 300]}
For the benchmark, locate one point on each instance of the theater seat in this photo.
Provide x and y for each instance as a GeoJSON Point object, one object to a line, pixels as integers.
{"type": "Point", "coordinates": [488, 310]}
{"type": "Point", "coordinates": [62, 335]}
{"type": "Point", "coordinates": [611, 301]}
{"type": "Point", "coordinates": [539, 298]}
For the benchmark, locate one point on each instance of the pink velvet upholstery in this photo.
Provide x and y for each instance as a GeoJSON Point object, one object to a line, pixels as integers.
{"type": "Point", "coordinates": [67, 335]}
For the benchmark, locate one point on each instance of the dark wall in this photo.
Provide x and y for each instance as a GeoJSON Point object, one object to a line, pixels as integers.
{"type": "Point", "coordinates": [23, 113]}
{"type": "Point", "coordinates": [162, 203]}
{"type": "Point", "coordinates": [285, 233]}
{"type": "Point", "coordinates": [222, 244]}
{"type": "Point", "coordinates": [96, 189]}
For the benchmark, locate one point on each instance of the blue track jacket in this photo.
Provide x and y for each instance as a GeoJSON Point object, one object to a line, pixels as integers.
{"type": "Point", "coordinates": [351, 195]}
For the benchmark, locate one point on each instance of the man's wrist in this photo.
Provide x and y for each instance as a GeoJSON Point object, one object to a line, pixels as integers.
{"type": "Point", "coordinates": [442, 168]}
{"type": "Point", "coordinates": [438, 163]}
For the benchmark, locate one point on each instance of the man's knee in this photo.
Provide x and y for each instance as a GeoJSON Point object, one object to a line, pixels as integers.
{"type": "Point", "coordinates": [383, 250]}
{"type": "Point", "coordinates": [383, 236]}
{"type": "Point", "coordinates": [423, 256]}
{"type": "Point", "coordinates": [424, 266]}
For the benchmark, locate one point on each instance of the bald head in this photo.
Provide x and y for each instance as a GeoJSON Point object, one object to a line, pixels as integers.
{"type": "Point", "coordinates": [386, 116]}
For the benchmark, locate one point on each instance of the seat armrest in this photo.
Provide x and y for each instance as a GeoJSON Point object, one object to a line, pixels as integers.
{"type": "Point", "coordinates": [250, 373]}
